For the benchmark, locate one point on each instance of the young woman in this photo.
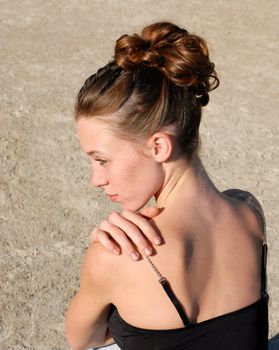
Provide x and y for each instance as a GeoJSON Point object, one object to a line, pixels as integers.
{"type": "Point", "coordinates": [138, 120]}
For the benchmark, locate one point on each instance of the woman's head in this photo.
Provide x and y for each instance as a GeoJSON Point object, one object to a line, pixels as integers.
{"type": "Point", "coordinates": [128, 173]}
{"type": "Point", "coordinates": [157, 80]}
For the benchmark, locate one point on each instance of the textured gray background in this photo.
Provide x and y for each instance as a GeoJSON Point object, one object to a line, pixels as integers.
{"type": "Point", "coordinates": [47, 210]}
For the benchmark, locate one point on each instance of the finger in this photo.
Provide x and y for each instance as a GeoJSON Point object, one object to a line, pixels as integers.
{"type": "Point", "coordinates": [144, 224]}
{"type": "Point", "coordinates": [132, 224]}
{"type": "Point", "coordinates": [94, 235]}
{"type": "Point", "coordinates": [121, 238]}
{"type": "Point", "coordinates": [105, 240]}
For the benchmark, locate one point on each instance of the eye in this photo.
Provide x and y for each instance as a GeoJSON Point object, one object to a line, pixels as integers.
{"type": "Point", "coordinates": [101, 161]}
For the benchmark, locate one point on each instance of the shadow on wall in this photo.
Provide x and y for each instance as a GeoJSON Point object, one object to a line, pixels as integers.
{"type": "Point", "coordinates": [273, 343]}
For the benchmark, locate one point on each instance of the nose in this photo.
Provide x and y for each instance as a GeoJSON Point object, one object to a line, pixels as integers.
{"type": "Point", "coordinates": [98, 178]}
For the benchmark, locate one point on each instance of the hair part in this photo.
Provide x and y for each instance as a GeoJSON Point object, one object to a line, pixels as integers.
{"type": "Point", "coordinates": [157, 79]}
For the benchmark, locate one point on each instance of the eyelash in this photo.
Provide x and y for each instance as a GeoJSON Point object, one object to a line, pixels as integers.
{"type": "Point", "coordinates": [101, 161]}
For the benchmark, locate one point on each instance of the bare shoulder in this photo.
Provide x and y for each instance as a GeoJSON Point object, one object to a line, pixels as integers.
{"type": "Point", "coordinates": [96, 255]}
{"type": "Point", "coordinates": [99, 268]}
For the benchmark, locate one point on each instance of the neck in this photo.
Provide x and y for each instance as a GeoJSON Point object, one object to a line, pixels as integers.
{"type": "Point", "coordinates": [187, 180]}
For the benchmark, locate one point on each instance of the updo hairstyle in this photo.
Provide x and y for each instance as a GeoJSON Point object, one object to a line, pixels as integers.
{"type": "Point", "coordinates": [157, 79]}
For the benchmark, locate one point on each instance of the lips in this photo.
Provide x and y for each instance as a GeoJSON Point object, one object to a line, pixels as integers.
{"type": "Point", "coordinates": [113, 197]}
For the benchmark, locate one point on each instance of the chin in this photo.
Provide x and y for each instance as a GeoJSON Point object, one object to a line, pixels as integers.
{"type": "Point", "coordinates": [131, 207]}
{"type": "Point", "coordinates": [134, 206]}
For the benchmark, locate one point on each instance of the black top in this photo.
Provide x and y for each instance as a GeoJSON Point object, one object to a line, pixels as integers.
{"type": "Point", "coordinates": [246, 328]}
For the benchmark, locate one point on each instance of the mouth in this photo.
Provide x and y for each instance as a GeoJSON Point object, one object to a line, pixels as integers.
{"type": "Point", "coordinates": [113, 197]}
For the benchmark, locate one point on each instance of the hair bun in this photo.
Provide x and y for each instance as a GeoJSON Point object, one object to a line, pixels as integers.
{"type": "Point", "coordinates": [181, 56]}
{"type": "Point", "coordinates": [133, 50]}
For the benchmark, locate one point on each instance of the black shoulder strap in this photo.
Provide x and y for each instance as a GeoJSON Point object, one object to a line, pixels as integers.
{"type": "Point", "coordinates": [264, 275]}
{"type": "Point", "coordinates": [165, 284]}
{"type": "Point", "coordinates": [256, 206]}
{"type": "Point", "coordinates": [167, 288]}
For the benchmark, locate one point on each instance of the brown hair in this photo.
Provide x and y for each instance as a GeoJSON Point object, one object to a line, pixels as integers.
{"type": "Point", "coordinates": [159, 78]}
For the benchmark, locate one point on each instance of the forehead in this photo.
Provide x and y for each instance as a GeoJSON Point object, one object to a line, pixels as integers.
{"type": "Point", "coordinates": [96, 136]}
{"type": "Point", "coordinates": [94, 133]}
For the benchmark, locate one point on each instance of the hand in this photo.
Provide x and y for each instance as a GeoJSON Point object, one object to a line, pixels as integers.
{"type": "Point", "coordinates": [128, 230]}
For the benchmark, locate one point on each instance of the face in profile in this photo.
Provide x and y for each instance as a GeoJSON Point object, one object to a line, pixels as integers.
{"type": "Point", "coordinates": [126, 171]}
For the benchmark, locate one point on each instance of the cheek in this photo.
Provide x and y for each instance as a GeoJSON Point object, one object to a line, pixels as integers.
{"type": "Point", "coordinates": [143, 180]}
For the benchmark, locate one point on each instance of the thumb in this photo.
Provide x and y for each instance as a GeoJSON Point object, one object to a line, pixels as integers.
{"type": "Point", "coordinates": [150, 212]}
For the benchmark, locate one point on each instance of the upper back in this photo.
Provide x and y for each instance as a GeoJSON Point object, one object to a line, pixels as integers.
{"type": "Point", "coordinates": [212, 263]}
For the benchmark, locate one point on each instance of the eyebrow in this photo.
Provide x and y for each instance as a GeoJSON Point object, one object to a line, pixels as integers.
{"type": "Point", "coordinates": [93, 153]}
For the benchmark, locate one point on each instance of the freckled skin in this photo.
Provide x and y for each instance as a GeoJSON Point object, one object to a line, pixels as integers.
{"type": "Point", "coordinates": [119, 166]}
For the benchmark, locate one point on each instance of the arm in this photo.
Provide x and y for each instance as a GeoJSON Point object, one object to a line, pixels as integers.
{"type": "Point", "coordinates": [87, 314]}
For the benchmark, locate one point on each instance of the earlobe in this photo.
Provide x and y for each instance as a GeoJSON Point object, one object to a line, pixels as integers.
{"type": "Point", "coordinates": [162, 146]}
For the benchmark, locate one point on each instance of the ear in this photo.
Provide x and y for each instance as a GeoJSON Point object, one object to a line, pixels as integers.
{"type": "Point", "coordinates": [161, 145]}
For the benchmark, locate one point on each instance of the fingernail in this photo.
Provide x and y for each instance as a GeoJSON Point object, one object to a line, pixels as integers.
{"type": "Point", "coordinates": [135, 255]}
{"type": "Point", "coordinates": [116, 251]}
{"type": "Point", "coordinates": [148, 250]}
{"type": "Point", "coordinates": [157, 240]}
